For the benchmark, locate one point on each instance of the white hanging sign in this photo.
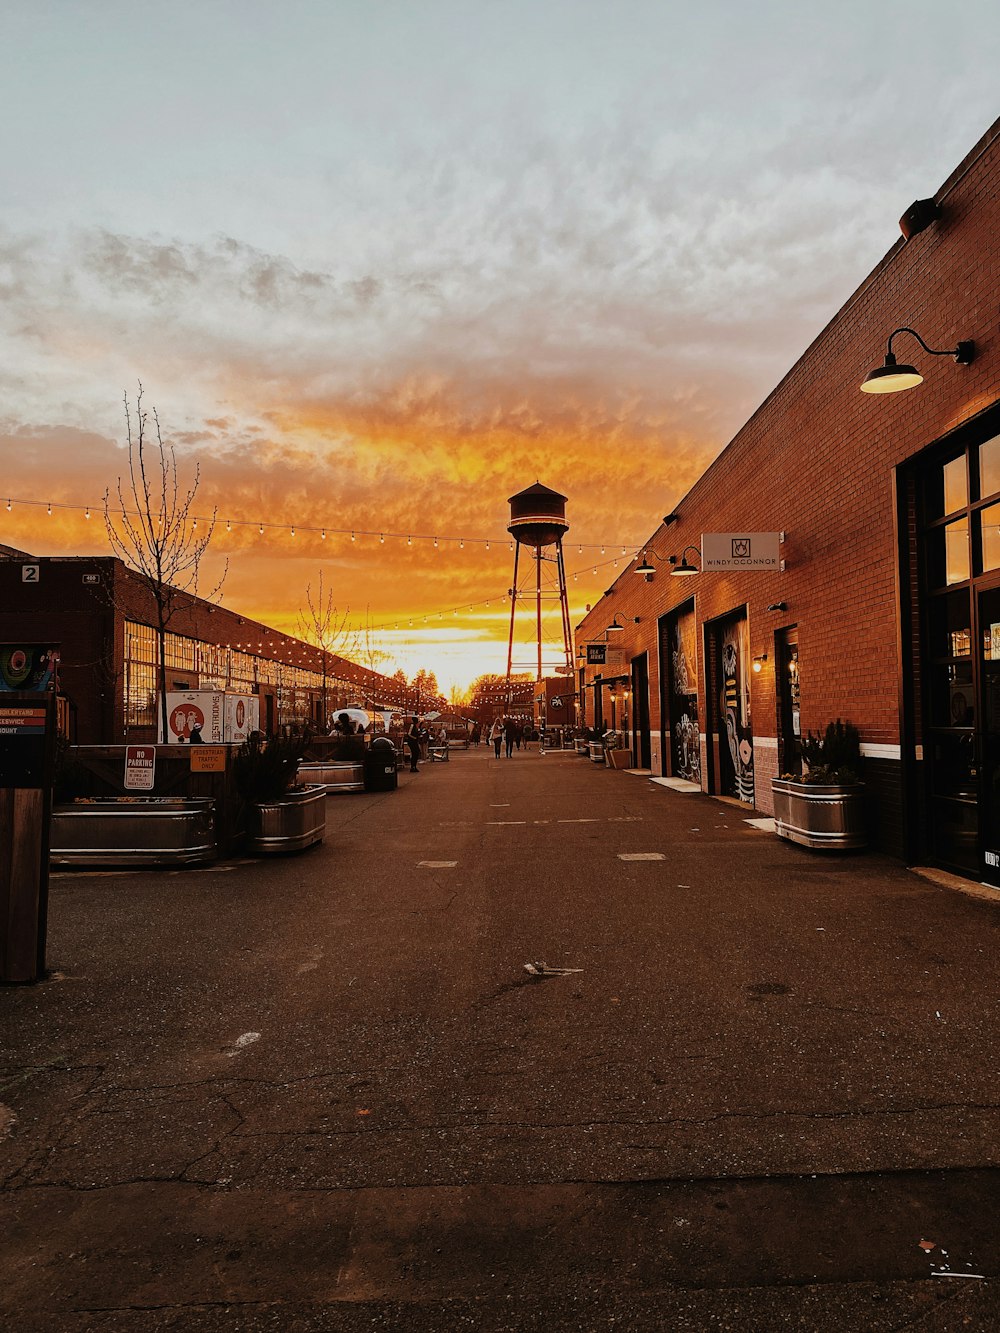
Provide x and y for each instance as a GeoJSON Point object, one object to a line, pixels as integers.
{"type": "Point", "coordinates": [752, 551]}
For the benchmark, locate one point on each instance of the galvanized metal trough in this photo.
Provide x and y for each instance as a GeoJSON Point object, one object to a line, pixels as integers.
{"type": "Point", "coordinates": [130, 831]}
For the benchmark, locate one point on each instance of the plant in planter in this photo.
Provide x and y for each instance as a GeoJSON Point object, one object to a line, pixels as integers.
{"type": "Point", "coordinates": [824, 807]}
{"type": "Point", "coordinates": [283, 817]}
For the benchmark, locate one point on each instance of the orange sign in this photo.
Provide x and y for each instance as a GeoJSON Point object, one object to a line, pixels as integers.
{"type": "Point", "coordinates": [208, 758]}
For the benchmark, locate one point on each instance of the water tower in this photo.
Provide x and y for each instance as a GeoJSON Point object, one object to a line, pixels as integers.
{"type": "Point", "coordinates": [538, 521]}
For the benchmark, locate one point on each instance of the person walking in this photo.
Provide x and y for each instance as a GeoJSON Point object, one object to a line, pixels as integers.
{"type": "Point", "coordinates": [496, 736]}
{"type": "Point", "coordinates": [413, 744]}
{"type": "Point", "coordinates": [509, 732]}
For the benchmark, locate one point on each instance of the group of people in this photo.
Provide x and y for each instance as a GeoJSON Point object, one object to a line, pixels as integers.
{"type": "Point", "coordinates": [510, 732]}
{"type": "Point", "coordinates": [419, 738]}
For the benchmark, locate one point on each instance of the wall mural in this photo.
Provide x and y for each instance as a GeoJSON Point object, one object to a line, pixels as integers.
{"type": "Point", "coordinates": [685, 737]}
{"type": "Point", "coordinates": [735, 705]}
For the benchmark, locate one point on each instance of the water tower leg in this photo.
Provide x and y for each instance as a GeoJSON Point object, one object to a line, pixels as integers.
{"type": "Point", "coordinates": [510, 640]}
{"type": "Point", "coordinates": [564, 602]}
{"type": "Point", "coordinates": [538, 599]}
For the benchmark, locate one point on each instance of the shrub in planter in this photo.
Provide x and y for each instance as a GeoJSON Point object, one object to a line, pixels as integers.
{"type": "Point", "coordinates": [834, 757]}
{"type": "Point", "coordinates": [824, 807]}
{"type": "Point", "coordinates": [284, 817]}
{"type": "Point", "coordinates": [264, 770]}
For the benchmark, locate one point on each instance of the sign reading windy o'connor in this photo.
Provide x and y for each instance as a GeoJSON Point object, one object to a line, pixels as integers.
{"type": "Point", "coordinates": [751, 551]}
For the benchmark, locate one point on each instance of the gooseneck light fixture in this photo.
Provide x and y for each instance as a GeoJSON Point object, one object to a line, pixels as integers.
{"type": "Point", "coordinates": [892, 377]}
{"type": "Point", "coordinates": [683, 569]}
{"type": "Point", "coordinates": [614, 627]}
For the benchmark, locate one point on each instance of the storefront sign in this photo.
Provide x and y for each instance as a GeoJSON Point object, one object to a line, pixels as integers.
{"type": "Point", "coordinates": [28, 666]}
{"type": "Point", "coordinates": [208, 759]}
{"type": "Point", "coordinates": [994, 643]}
{"type": "Point", "coordinates": [140, 767]}
{"type": "Point", "coordinates": [752, 551]}
{"type": "Point", "coordinates": [22, 745]}
{"type": "Point", "coordinates": [597, 654]}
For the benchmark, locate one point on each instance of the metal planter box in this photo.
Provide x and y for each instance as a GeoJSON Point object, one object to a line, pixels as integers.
{"type": "Point", "coordinates": [335, 775]}
{"type": "Point", "coordinates": [815, 815]}
{"type": "Point", "coordinates": [153, 831]}
{"type": "Point", "coordinates": [596, 749]}
{"type": "Point", "coordinates": [291, 823]}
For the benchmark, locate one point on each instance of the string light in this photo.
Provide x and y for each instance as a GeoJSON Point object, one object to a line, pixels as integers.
{"type": "Point", "coordinates": [8, 506]}
{"type": "Point", "coordinates": [50, 511]}
{"type": "Point", "coordinates": [87, 514]}
{"type": "Point", "coordinates": [323, 534]}
{"type": "Point", "coordinates": [409, 541]}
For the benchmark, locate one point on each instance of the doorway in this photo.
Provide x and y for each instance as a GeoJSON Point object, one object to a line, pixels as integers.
{"type": "Point", "coordinates": [729, 699]}
{"type": "Point", "coordinates": [786, 656]}
{"type": "Point", "coordinates": [679, 693]}
{"type": "Point", "coordinates": [641, 750]}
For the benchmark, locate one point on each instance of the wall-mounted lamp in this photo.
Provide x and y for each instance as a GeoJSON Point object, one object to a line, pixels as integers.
{"type": "Point", "coordinates": [891, 377]}
{"type": "Point", "coordinates": [919, 216]}
{"type": "Point", "coordinates": [637, 620]}
{"type": "Point", "coordinates": [614, 627]}
{"type": "Point", "coordinates": [758, 662]}
{"type": "Point", "coordinates": [778, 606]}
{"type": "Point", "coordinates": [683, 569]}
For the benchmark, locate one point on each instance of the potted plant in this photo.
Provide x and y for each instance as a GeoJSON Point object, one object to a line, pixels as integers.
{"type": "Point", "coordinates": [93, 825]}
{"type": "Point", "coordinates": [823, 807]}
{"type": "Point", "coordinates": [284, 817]}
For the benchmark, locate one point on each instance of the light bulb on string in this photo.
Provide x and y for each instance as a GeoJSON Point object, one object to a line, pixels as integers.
{"type": "Point", "coordinates": [353, 538]}
{"type": "Point", "coordinates": [381, 538]}
{"type": "Point", "coordinates": [323, 533]}
{"type": "Point", "coordinates": [50, 510]}
{"type": "Point", "coordinates": [262, 529]}
{"type": "Point", "coordinates": [409, 541]}
{"type": "Point", "coordinates": [87, 512]}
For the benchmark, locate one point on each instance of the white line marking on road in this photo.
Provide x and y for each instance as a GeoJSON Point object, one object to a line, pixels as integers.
{"type": "Point", "coordinates": [504, 823]}
{"type": "Point", "coordinates": [499, 805]}
{"type": "Point", "coordinates": [576, 821]}
{"type": "Point", "coordinates": [641, 856]}
{"type": "Point", "coordinates": [625, 819]}
{"type": "Point", "coordinates": [241, 1043]}
{"type": "Point", "coordinates": [438, 865]}
{"type": "Point", "coordinates": [541, 821]}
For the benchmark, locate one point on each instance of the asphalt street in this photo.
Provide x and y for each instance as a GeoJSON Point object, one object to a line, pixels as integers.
{"type": "Point", "coordinates": [323, 1092]}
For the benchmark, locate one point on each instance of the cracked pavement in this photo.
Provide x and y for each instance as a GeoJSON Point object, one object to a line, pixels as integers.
{"type": "Point", "coordinates": [320, 1092]}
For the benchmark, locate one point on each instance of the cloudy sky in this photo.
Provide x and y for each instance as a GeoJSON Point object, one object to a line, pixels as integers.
{"type": "Point", "coordinates": [380, 264]}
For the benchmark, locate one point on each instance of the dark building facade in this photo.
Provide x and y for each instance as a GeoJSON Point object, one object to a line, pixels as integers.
{"type": "Point", "coordinates": [103, 621]}
{"type": "Point", "coordinates": [882, 606]}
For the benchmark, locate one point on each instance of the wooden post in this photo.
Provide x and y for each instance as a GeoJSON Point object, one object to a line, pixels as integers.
{"type": "Point", "coordinates": [27, 753]}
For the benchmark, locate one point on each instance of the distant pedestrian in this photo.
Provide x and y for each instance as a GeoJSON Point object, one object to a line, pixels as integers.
{"type": "Point", "coordinates": [496, 736]}
{"type": "Point", "coordinates": [413, 744]}
{"type": "Point", "coordinates": [476, 736]}
{"type": "Point", "coordinates": [509, 732]}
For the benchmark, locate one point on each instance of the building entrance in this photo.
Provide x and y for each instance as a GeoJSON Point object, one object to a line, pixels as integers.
{"type": "Point", "coordinates": [729, 696]}
{"type": "Point", "coordinates": [679, 693]}
{"type": "Point", "coordinates": [959, 516]}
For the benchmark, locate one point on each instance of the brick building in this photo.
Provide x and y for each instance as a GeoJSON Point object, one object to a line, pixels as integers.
{"type": "Point", "coordinates": [101, 618]}
{"type": "Point", "coordinates": [885, 607]}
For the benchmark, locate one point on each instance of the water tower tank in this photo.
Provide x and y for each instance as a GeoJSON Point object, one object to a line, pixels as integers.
{"type": "Point", "coordinates": [537, 516]}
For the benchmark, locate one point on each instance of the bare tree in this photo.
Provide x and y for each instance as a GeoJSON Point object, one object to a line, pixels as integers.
{"type": "Point", "coordinates": [320, 623]}
{"type": "Point", "coordinates": [366, 648]}
{"type": "Point", "coordinates": [154, 531]}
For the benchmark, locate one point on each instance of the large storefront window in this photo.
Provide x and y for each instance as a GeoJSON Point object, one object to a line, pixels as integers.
{"type": "Point", "coordinates": [960, 656]}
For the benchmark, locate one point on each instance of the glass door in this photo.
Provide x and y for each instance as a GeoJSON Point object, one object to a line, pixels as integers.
{"type": "Point", "coordinates": [987, 740]}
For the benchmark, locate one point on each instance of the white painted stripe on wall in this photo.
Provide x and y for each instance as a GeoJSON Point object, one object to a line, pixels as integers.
{"type": "Point", "coordinates": [881, 751]}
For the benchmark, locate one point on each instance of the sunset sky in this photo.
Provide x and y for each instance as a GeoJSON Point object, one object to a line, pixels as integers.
{"type": "Point", "coordinates": [379, 265]}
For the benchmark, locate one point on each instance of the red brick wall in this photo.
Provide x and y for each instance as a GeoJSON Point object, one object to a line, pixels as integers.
{"type": "Point", "coordinates": [816, 461]}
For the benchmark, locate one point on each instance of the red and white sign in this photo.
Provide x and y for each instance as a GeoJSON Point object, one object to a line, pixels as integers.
{"type": "Point", "coordinates": [140, 767]}
{"type": "Point", "coordinates": [201, 709]}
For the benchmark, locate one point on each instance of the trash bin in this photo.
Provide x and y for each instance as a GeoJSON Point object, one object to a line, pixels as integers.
{"type": "Point", "coordinates": [380, 765]}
